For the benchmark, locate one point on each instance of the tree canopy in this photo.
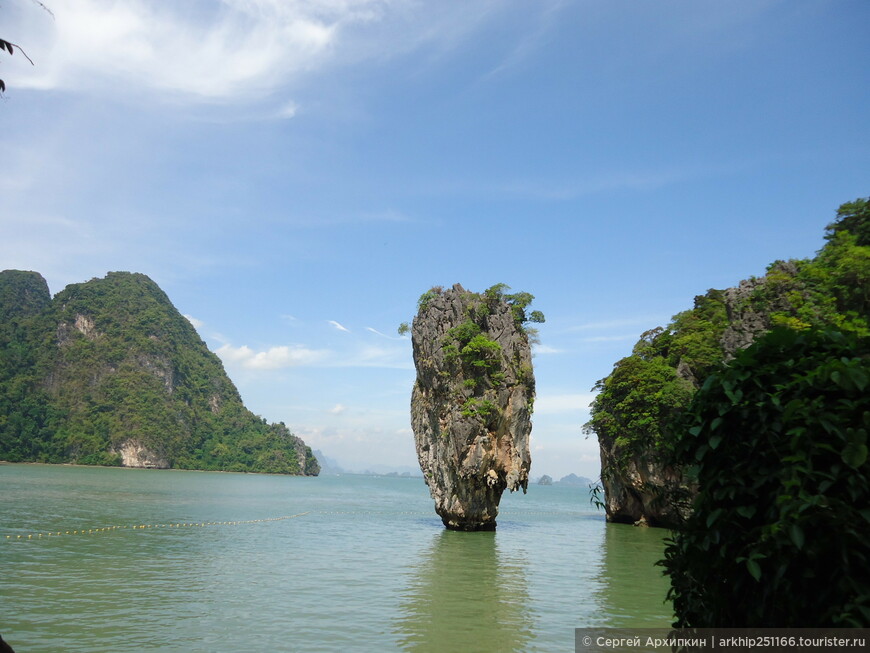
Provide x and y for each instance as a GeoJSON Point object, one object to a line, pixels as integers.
{"type": "Point", "coordinates": [777, 442]}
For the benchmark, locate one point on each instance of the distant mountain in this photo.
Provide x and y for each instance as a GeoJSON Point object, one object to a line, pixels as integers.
{"type": "Point", "coordinates": [390, 470]}
{"type": "Point", "coordinates": [573, 479]}
{"type": "Point", "coordinates": [110, 373]}
{"type": "Point", "coordinates": [328, 466]}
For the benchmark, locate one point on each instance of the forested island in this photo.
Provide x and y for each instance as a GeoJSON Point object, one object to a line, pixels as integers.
{"type": "Point", "coordinates": [646, 390]}
{"type": "Point", "coordinates": [108, 372]}
{"type": "Point", "coordinates": [743, 425]}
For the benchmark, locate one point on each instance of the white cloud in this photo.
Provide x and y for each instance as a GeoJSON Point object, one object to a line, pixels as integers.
{"type": "Point", "coordinates": [225, 51]}
{"type": "Point", "coordinates": [289, 110]}
{"type": "Point", "coordinates": [536, 38]}
{"type": "Point", "coordinates": [197, 324]}
{"type": "Point", "coordinates": [545, 349]}
{"type": "Point", "coordinates": [384, 335]}
{"type": "Point", "coordinates": [273, 358]}
{"type": "Point", "coordinates": [622, 338]}
{"type": "Point", "coordinates": [643, 321]}
{"type": "Point", "coordinates": [284, 356]}
{"type": "Point", "coordinates": [563, 403]}
{"type": "Point", "coordinates": [370, 356]}
{"type": "Point", "coordinates": [357, 447]}
{"type": "Point", "coordinates": [338, 409]}
{"type": "Point", "coordinates": [339, 326]}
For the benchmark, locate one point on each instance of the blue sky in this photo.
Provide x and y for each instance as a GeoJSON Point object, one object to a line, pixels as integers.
{"type": "Point", "coordinates": [295, 174]}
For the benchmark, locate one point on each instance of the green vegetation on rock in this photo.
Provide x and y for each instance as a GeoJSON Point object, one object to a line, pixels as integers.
{"type": "Point", "coordinates": [108, 369]}
{"type": "Point", "coordinates": [656, 382]}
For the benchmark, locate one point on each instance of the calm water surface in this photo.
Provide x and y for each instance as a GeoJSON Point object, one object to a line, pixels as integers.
{"type": "Point", "coordinates": [369, 567]}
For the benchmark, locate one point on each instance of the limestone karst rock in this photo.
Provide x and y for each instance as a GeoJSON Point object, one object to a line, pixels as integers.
{"type": "Point", "coordinates": [472, 401]}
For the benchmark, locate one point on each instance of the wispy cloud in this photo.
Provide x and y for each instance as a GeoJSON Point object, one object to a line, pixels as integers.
{"type": "Point", "coordinates": [197, 324]}
{"type": "Point", "coordinates": [227, 51]}
{"type": "Point", "coordinates": [387, 215]}
{"type": "Point", "coordinates": [570, 189]}
{"type": "Point", "coordinates": [614, 338]}
{"type": "Point", "coordinates": [231, 48]}
{"type": "Point", "coordinates": [342, 219]}
{"type": "Point", "coordinates": [546, 404]}
{"type": "Point", "coordinates": [370, 356]}
{"type": "Point", "coordinates": [644, 321]}
{"type": "Point", "coordinates": [532, 40]}
{"type": "Point", "coordinates": [384, 335]}
{"type": "Point", "coordinates": [338, 326]}
{"type": "Point", "coordinates": [288, 110]}
{"type": "Point", "coordinates": [273, 358]}
{"type": "Point", "coordinates": [338, 409]}
{"type": "Point", "coordinates": [286, 356]}
{"type": "Point", "coordinates": [545, 349]}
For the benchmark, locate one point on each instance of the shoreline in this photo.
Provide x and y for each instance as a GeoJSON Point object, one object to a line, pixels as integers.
{"type": "Point", "coordinates": [152, 469]}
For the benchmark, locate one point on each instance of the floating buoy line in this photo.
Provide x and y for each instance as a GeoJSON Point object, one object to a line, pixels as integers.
{"type": "Point", "coordinates": [176, 525]}
{"type": "Point", "coordinates": [142, 527]}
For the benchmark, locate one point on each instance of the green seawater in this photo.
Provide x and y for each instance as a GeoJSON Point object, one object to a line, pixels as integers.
{"type": "Point", "coordinates": [367, 567]}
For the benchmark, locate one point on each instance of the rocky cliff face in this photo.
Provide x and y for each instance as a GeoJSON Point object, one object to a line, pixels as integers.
{"type": "Point", "coordinates": [471, 404]}
{"type": "Point", "coordinates": [109, 372]}
{"type": "Point", "coordinates": [641, 490]}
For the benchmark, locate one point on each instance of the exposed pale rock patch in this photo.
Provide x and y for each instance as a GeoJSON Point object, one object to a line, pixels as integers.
{"type": "Point", "coordinates": [133, 454]}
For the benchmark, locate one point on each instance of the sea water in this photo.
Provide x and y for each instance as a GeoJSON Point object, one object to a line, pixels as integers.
{"type": "Point", "coordinates": [206, 561]}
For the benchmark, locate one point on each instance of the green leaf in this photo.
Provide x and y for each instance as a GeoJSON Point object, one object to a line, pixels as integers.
{"type": "Point", "coordinates": [854, 455]}
{"type": "Point", "coordinates": [735, 395]}
{"type": "Point", "coordinates": [797, 535]}
{"type": "Point", "coordinates": [746, 511]}
{"type": "Point", "coordinates": [754, 569]}
{"type": "Point", "coordinates": [859, 377]}
{"type": "Point", "coordinates": [791, 407]}
{"type": "Point", "coordinates": [713, 516]}
{"type": "Point", "coordinates": [715, 441]}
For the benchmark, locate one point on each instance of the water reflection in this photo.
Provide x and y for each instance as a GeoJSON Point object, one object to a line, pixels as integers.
{"type": "Point", "coordinates": [630, 588]}
{"type": "Point", "coordinates": [465, 595]}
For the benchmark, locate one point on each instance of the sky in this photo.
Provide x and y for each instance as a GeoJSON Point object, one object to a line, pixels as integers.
{"type": "Point", "coordinates": [296, 173]}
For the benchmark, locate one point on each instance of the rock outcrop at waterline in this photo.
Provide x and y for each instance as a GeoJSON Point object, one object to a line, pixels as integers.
{"type": "Point", "coordinates": [641, 490]}
{"type": "Point", "coordinates": [472, 401]}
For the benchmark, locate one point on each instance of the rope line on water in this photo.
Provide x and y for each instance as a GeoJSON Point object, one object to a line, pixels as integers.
{"type": "Point", "coordinates": [107, 529]}
{"type": "Point", "coordinates": [138, 527]}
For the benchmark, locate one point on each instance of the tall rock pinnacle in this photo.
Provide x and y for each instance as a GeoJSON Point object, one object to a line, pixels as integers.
{"type": "Point", "coordinates": [472, 401]}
